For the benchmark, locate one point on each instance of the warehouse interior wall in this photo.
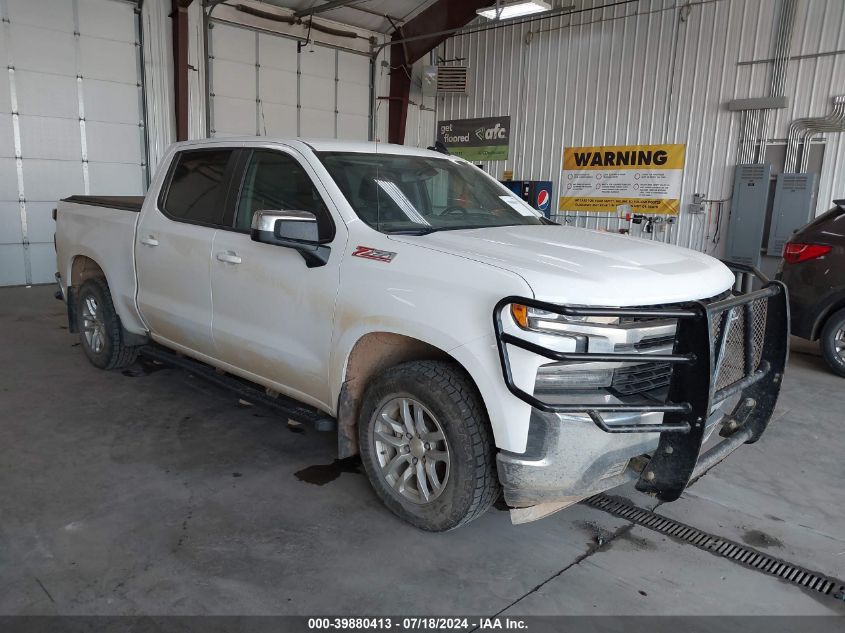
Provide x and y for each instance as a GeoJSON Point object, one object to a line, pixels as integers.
{"type": "Point", "coordinates": [654, 71]}
{"type": "Point", "coordinates": [71, 119]}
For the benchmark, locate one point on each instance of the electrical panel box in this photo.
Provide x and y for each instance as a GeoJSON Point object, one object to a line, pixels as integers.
{"type": "Point", "coordinates": [793, 208]}
{"type": "Point", "coordinates": [748, 214]}
{"type": "Point", "coordinates": [537, 193]}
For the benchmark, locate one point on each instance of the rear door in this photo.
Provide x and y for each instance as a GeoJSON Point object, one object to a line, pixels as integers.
{"type": "Point", "coordinates": [173, 248]}
{"type": "Point", "coordinates": [272, 314]}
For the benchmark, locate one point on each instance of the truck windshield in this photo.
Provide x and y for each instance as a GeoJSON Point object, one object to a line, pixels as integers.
{"type": "Point", "coordinates": [394, 193]}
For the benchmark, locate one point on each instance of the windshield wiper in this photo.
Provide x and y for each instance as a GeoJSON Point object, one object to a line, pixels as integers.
{"type": "Point", "coordinates": [422, 231]}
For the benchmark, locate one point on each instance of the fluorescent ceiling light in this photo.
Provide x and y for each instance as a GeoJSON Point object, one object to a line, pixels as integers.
{"type": "Point", "coordinates": [514, 9]}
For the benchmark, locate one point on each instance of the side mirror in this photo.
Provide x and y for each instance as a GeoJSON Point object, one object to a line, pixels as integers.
{"type": "Point", "coordinates": [291, 229]}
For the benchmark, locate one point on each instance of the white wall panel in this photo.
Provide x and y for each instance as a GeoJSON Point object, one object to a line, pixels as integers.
{"type": "Point", "coordinates": [314, 123]}
{"type": "Point", "coordinates": [112, 102]}
{"type": "Point", "coordinates": [114, 143]}
{"type": "Point", "coordinates": [277, 52]}
{"type": "Point", "coordinates": [7, 138]}
{"type": "Point", "coordinates": [42, 94]}
{"type": "Point", "coordinates": [10, 223]}
{"type": "Point", "coordinates": [111, 178]}
{"type": "Point", "coordinates": [107, 19]}
{"type": "Point", "coordinates": [277, 120]}
{"type": "Point", "coordinates": [352, 127]}
{"type": "Point", "coordinates": [239, 79]}
{"type": "Point", "coordinates": [76, 102]}
{"type": "Point", "coordinates": [12, 270]}
{"type": "Point", "coordinates": [39, 222]}
{"type": "Point", "coordinates": [44, 50]}
{"type": "Point", "coordinates": [649, 72]}
{"type": "Point", "coordinates": [46, 14]}
{"type": "Point", "coordinates": [8, 183]}
{"type": "Point", "coordinates": [318, 61]}
{"type": "Point", "coordinates": [278, 86]}
{"type": "Point", "coordinates": [233, 117]}
{"type": "Point", "coordinates": [108, 59]}
{"type": "Point", "coordinates": [43, 258]}
{"type": "Point", "coordinates": [51, 180]}
{"type": "Point", "coordinates": [318, 92]}
{"type": "Point", "coordinates": [234, 43]}
{"type": "Point", "coordinates": [48, 137]}
{"type": "Point", "coordinates": [353, 97]}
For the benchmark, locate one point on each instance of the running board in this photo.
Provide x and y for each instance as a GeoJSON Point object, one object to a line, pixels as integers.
{"type": "Point", "coordinates": [243, 388]}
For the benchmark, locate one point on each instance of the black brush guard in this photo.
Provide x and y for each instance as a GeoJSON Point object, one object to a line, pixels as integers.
{"type": "Point", "coordinates": [723, 348]}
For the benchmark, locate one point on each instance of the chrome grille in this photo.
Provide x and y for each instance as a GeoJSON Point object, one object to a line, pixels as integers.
{"type": "Point", "coordinates": [641, 378]}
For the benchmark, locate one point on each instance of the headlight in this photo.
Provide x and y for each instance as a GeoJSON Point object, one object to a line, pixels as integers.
{"type": "Point", "coordinates": [543, 321]}
{"type": "Point", "coordinates": [602, 335]}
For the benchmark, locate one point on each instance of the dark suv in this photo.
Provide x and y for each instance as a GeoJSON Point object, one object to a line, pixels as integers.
{"type": "Point", "coordinates": [814, 271]}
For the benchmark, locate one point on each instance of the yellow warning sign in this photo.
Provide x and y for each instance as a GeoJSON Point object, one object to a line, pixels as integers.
{"type": "Point", "coordinates": [611, 178]}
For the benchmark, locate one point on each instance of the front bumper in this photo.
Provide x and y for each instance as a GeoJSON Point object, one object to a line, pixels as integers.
{"type": "Point", "coordinates": [731, 350]}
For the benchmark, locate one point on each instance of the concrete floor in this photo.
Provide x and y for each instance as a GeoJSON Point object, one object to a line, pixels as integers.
{"type": "Point", "coordinates": [153, 492]}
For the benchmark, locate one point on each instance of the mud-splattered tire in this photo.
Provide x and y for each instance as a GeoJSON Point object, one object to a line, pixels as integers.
{"type": "Point", "coordinates": [422, 424]}
{"type": "Point", "coordinates": [99, 327]}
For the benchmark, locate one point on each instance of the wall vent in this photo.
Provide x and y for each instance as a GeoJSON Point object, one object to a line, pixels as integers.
{"type": "Point", "coordinates": [445, 80]}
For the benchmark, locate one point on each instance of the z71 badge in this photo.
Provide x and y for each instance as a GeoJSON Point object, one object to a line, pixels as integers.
{"type": "Point", "coordinates": [373, 253]}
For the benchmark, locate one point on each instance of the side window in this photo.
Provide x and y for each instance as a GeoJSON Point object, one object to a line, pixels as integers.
{"type": "Point", "coordinates": [275, 181]}
{"type": "Point", "coordinates": [197, 186]}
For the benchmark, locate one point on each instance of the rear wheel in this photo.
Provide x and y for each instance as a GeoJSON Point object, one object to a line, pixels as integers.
{"type": "Point", "coordinates": [833, 342]}
{"type": "Point", "coordinates": [426, 445]}
{"type": "Point", "coordinates": [99, 327]}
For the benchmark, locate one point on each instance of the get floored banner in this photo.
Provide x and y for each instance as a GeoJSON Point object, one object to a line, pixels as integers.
{"type": "Point", "coordinates": [645, 177]}
{"type": "Point", "coordinates": [476, 139]}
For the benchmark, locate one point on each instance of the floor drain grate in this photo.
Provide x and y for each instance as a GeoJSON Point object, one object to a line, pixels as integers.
{"type": "Point", "coordinates": [747, 556]}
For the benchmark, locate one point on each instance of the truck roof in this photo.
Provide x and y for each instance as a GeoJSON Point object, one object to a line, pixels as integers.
{"type": "Point", "coordinates": [317, 145]}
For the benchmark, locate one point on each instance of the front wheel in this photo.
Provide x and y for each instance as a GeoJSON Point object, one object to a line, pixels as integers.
{"type": "Point", "coordinates": [833, 342]}
{"type": "Point", "coordinates": [426, 445]}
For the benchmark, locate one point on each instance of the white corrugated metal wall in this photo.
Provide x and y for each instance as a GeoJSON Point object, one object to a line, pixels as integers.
{"type": "Point", "coordinates": [71, 119]}
{"type": "Point", "coordinates": [649, 72]}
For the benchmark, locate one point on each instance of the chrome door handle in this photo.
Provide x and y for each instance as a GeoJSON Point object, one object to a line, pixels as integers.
{"type": "Point", "coordinates": [149, 241]}
{"type": "Point", "coordinates": [229, 257]}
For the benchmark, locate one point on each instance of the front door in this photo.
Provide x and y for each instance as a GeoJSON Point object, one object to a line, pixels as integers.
{"type": "Point", "coordinates": [173, 250]}
{"type": "Point", "coordinates": [272, 314]}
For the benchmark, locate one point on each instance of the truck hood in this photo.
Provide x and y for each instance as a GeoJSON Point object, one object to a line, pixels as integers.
{"type": "Point", "coordinates": [565, 264]}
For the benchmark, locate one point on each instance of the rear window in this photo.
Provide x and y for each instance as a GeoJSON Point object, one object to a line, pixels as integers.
{"type": "Point", "coordinates": [196, 188]}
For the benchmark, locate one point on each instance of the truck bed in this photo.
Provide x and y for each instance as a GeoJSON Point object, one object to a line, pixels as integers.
{"type": "Point", "coordinates": [123, 203]}
{"type": "Point", "coordinates": [101, 228]}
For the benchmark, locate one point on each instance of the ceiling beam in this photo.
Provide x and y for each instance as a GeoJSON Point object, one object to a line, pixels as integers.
{"type": "Point", "coordinates": [320, 8]}
{"type": "Point", "coordinates": [441, 16]}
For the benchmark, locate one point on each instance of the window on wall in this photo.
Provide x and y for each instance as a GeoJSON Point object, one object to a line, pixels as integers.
{"type": "Point", "coordinates": [197, 186]}
{"type": "Point", "coordinates": [275, 181]}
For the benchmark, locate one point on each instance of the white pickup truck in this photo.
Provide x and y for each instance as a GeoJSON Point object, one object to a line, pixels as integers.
{"type": "Point", "coordinates": [465, 345]}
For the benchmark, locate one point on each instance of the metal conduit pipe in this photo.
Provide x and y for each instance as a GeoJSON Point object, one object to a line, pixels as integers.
{"type": "Point", "coordinates": [815, 130]}
{"type": "Point", "coordinates": [777, 84]}
{"type": "Point", "coordinates": [798, 125]}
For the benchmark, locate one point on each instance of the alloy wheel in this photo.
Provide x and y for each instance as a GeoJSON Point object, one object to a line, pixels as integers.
{"type": "Point", "coordinates": [93, 327]}
{"type": "Point", "coordinates": [412, 450]}
{"type": "Point", "coordinates": [839, 342]}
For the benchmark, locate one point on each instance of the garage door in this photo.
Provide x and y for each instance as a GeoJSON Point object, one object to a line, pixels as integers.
{"type": "Point", "coordinates": [70, 119]}
{"type": "Point", "coordinates": [260, 84]}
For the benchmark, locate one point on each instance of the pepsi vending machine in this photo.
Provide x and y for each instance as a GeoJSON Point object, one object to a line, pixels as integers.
{"type": "Point", "coordinates": [537, 193]}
